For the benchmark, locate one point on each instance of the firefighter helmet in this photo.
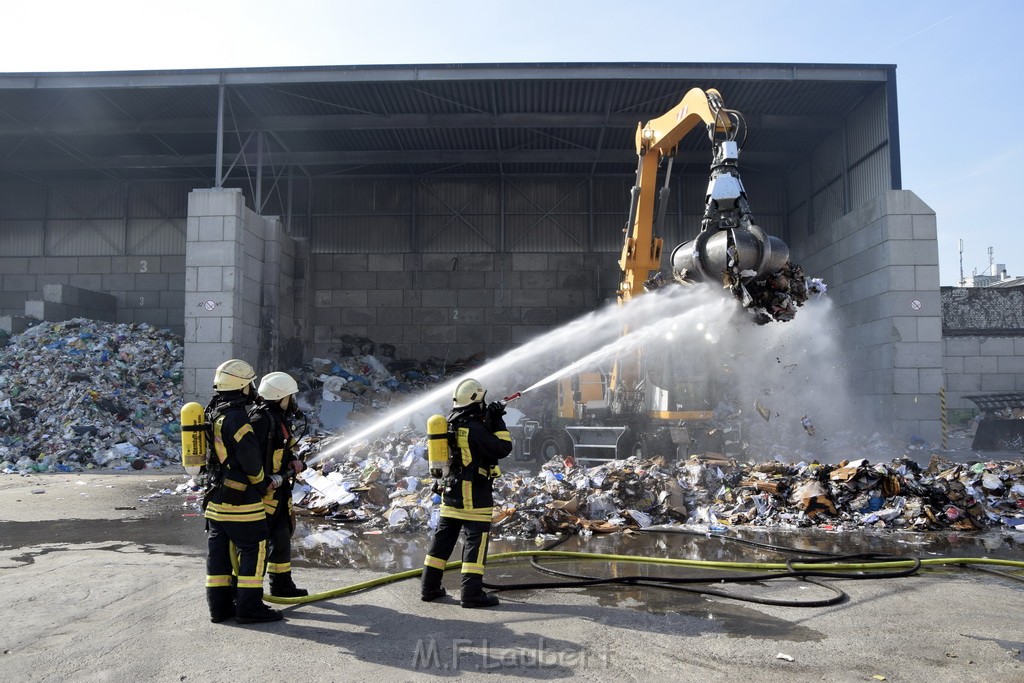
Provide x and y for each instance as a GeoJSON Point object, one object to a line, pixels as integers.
{"type": "Point", "coordinates": [233, 375]}
{"type": "Point", "coordinates": [277, 385]}
{"type": "Point", "coordinates": [468, 392]}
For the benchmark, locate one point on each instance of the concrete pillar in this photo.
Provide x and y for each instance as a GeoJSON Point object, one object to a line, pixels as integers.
{"type": "Point", "coordinates": [233, 287]}
{"type": "Point", "coordinates": [881, 264]}
{"type": "Point", "coordinates": [213, 292]}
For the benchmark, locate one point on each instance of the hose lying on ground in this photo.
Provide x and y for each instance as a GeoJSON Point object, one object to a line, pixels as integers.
{"type": "Point", "coordinates": [845, 567]}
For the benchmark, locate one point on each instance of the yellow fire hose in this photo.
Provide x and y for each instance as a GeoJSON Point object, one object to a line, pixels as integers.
{"type": "Point", "coordinates": [705, 564]}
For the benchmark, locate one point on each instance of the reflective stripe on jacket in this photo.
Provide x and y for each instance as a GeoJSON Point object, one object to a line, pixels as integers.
{"type": "Point", "coordinates": [468, 492]}
{"type": "Point", "coordinates": [237, 495]}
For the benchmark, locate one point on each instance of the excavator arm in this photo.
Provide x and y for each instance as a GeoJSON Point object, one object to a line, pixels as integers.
{"type": "Point", "coordinates": [656, 140]}
{"type": "Point", "coordinates": [729, 247]}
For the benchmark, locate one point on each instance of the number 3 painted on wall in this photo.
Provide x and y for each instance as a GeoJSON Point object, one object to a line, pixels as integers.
{"type": "Point", "coordinates": [143, 267]}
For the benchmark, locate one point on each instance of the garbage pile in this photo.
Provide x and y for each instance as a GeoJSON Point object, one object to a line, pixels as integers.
{"type": "Point", "coordinates": [384, 485]}
{"type": "Point", "coordinates": [364, 378]}
{"type": "Point", "coordinates": [81, 394]}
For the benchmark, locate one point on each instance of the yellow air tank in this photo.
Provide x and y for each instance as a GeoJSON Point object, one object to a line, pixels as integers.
{"type": "Point", "coordinates": [193, 438]}
{"type": "Point", "coordinates": [437, 445]}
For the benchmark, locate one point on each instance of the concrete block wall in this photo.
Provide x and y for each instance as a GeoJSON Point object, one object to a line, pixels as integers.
{"type": "Point", "coordinates": [148, 289]}
{"type": "Point", "coordinates": [979, 364]}
{"type": "Point", "coordinates": [983, 342]}
{"type": "Point", "coordinates": [213, 255]}
{"type": "Point", "coordinates": [15, 324]}
{"type": "Point", "coordinates": [452, 305]}
{"type": "Point", "coordinates": [880, 262]}
{"type": "Point", "coordinates": [258, 283]}
{"type": "Point", "coordinates": [233, 287]}
{"type": "Point", "coordinates": [64, 302]}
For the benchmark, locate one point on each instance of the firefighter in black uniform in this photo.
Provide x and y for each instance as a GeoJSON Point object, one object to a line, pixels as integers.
{"type": "Point", "coordinates": [478, 439]}
{"type": "Point", "coordinates": [270, 422]}
{"type": "Point", "coordinates": [235, 518]}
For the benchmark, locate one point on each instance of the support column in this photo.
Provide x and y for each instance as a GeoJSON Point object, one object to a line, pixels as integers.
{"type": "Point", "coordinates": [239, 274]}
{"type": "Point", "coordinates": [881, 265]}
{"type": "Point", "coordinates": [214, 251]}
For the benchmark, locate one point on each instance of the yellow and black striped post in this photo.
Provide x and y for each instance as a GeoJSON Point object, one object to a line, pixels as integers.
{"type": "Point", "coordinates": [945, 422]}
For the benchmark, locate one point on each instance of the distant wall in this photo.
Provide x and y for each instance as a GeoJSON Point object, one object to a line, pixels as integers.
{"type": "Point", "coordinates": [126, 239]}
{"type": "Point", "coordinates": [983, 340]}
{"type": "Point", "coordinates": [148, 289]}
{"type": "Point", "coordinates": [453, 305]}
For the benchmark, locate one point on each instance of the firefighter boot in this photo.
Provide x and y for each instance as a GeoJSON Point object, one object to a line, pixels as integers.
{"type": "Point", "coordinates": [473, 594]}
{"type": "Point", "coordinates": [251, 609]}
{"type": "Point", "coordinates": [282, 586]}
{"type": "Point", "coordinates": [221, 602]}
{"type": "Point", "coordinates": [431, 588]}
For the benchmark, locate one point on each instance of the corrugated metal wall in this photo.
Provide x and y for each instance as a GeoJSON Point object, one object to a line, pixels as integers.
{"type": "Point", "coordinates": [156, 217]}
{"type": "Point", "coordinates": [554, 214]}
{"type": "Point", "coordinates": [867, 141]}
{"type": "Point", "coordinates": [846, 169]}
{"type": "Point", "coordinates": [94, 218]}
{"type": "Point", "coordinates": [458, 215]}
{"type": "Point", "coordinates": [547, 215]}
{"type": "Point", "coordinates": [22, 209]}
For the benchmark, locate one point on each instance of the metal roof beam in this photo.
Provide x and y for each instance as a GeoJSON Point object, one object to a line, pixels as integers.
{"type": "Point", "coordinates": [448, 72]}
{"type": "Point", "coordinates": [526, 156]}
{"type": "Point", "coordinates": [282, 124]}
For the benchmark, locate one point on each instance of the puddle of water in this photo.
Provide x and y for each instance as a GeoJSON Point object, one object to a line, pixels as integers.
{"type": "Point", "coordinates": [145, 531]}
{"type": "Point", "coordinates": [399, 551]}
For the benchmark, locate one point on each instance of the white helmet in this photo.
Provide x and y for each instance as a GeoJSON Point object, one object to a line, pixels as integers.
{"type": "Point", "coordinates": [233, 375]}
{"type": "Point", "coordinates": [468, 391]}
{"type": "Point", "coordinates": [277, 385]}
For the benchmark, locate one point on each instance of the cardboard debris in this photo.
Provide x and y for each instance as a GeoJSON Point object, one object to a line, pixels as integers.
{"type": "Point", "coordinates": [387, 474]}
{"type": "Point", "coordinates": [812, 498]}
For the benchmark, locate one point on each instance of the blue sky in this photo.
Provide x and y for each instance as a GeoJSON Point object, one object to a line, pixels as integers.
{"type": "Point", "coordinates": [960, 66]}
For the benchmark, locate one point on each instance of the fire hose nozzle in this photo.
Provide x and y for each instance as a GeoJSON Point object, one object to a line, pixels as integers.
{"type": "Point", "coordinates": [512, 397]}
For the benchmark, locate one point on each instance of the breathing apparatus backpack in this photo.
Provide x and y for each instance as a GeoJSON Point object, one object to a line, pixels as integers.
{"type": "Point", "coordinates": [197, 452]}
{"type": "Point", "coordinates": [194, 438]}
{"type": "Point", "coordinates": [438, 441]}
{"type": "Point", "coordinates": [443, 454]}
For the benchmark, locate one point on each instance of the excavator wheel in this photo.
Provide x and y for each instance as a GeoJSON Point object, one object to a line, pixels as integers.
{"type": "Point", "coordinates": [632, 443]}
{"type": "Point", "coordinates": [659, 443]}
{"type": "Point", "coordinates": [548, 443]}
{"type": "Point", "coordinates": [645, 444]}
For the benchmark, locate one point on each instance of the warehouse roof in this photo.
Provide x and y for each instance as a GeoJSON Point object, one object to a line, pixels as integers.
{"type": "Point", "coordinates": [464, 119]}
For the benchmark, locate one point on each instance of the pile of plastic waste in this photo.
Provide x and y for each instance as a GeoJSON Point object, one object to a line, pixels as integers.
{"type": "Point", "coordinates": [364, 379]}
{"type": "Point", "coordinates": [383, 485]}
{"type": "Point", "coordinates": [81, 394]}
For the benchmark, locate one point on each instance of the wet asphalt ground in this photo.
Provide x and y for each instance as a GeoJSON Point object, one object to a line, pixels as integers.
{"type": "Point", "coordinates": [99, 581]}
